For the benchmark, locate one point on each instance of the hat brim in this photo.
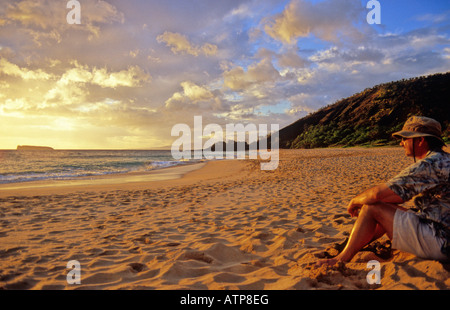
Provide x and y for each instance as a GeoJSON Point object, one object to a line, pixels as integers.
{"type": "Point", "coordinates": [413, 134]}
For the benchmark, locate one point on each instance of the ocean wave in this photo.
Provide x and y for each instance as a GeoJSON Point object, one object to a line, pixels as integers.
{"type": "Point", "coordinates": [68, 171]}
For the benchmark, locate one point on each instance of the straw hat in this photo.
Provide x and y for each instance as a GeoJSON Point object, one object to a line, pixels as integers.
{"type": "Point", "coordinates": [420, 126]}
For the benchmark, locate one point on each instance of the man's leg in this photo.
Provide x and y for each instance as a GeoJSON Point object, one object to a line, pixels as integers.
{"type": "Point", "coordinates": [373, 221]}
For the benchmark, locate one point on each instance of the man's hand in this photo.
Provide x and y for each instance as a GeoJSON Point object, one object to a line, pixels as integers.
{"type": "Point", "coordinates": [353, 208]}
{"type": "Point", "coordinates": [380, 193]}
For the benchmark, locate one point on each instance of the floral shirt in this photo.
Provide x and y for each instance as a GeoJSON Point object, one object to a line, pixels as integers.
{"type": "Point", "coordinates": [427, 183]}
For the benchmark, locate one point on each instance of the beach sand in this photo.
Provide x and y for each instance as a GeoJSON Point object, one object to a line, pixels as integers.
{"type": "Point", "coordinates": [218, 225]}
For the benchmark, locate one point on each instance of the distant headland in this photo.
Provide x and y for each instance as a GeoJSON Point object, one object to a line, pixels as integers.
{"type": "Point", "coordinates": [34, 148]}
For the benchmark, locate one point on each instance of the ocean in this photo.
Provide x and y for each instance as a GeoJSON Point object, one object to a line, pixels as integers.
{"type": "Point", "coordinates": [24, 166]}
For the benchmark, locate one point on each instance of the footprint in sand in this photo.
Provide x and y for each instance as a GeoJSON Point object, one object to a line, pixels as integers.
{"type": "Point", "coordinates": [199, 256]}
{"type": "Point", "coordinates": [136, 267]}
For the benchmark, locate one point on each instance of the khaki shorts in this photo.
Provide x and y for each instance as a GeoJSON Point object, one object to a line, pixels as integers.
{"type": "Point", "coordinates": [412, 236]}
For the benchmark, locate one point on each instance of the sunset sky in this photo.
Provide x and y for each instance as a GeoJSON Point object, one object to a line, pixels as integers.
{"type": "Point", "coordinates": [133, 69]}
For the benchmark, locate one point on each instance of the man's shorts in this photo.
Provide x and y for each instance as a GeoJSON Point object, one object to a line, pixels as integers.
{"type": "Point", "coordinates": [412, 236]}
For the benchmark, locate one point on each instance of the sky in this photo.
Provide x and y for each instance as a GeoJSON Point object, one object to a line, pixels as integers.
{"type": "Point", "coordinates": [131, 70]}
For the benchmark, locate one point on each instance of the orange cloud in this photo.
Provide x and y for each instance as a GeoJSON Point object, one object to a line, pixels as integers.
{"type": "Point", "coordinates": [45, 20]}
{"type": "Point", "coordinates": [239, 79]}
{"type": "Point", "coordinates": [11, 69]}
{"type": "Point", "coordinates": [327, 20]}
{"type": "Point", "coordinates": [179, 44]}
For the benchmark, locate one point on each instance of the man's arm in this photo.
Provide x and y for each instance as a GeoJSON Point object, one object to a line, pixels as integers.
{"type": "Point", "coordinates": [379, 193]}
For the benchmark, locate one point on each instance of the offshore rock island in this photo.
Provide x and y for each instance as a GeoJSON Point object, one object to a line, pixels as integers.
{"type": "Point", "coordinates": [34, 148]}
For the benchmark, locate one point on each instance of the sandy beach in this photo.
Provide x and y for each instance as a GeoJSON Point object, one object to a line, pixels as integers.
{"type": "Point", "coordinates": [216, 225]}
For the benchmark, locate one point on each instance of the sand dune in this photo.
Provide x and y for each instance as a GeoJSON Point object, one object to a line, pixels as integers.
{"type": "Point", "coordinates": [227, 225]}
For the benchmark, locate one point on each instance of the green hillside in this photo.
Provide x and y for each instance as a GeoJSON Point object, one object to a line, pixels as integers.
{"type": "Point", "coordinates": [370, 117]}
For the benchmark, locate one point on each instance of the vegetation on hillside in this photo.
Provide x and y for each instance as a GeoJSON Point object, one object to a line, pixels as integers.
{"type": "Point", "coordinates": [369, 118]}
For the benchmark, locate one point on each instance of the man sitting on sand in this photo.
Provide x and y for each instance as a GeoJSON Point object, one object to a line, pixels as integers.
{"type": "Point", "coordinates": [424, 229]}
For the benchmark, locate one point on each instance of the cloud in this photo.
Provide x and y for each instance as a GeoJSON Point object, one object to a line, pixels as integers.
{"type": "Point", "coordinates": [193, 96]}
{"type": "Point", "coordinates": [328, 20]}
{"type": "Point", "coordinates": [434, 18]}
{"type": "Point", "coordinates": [179, 44]}
{"type": "Point", "coordinates": [292, 59]}
{"type": "Point", "coordinates": [72, 87]}
{"type": "Point", "coordinates": [133, 76]}
{"type": "Point", "coordinates": [45, 21]}
{"type": "Point", "coordinates": [303, 103]}
{"type": "Point", "coordinates": [239, 79]}
{"type": "Point", "coordinates": [360, 54]}
{"type": "Point", "coordinates": [447, 53]}
{"type": "Point", "coordinates": [11, 69]}
{"type": "Point", "coordinates": [77, 88]}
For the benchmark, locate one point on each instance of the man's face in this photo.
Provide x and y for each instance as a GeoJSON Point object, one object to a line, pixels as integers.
{"type": "Point", "coordinates": [407, 144]}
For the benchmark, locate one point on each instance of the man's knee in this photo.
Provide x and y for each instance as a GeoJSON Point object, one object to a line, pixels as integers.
{"type": "Point", "coordinates": [378, 210]}
{"type": "Point", "coordinates": [368, 209]}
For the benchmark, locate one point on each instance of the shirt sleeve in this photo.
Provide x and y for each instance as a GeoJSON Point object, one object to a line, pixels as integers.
{"type": "Point", "coordinates": [414, 180]}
